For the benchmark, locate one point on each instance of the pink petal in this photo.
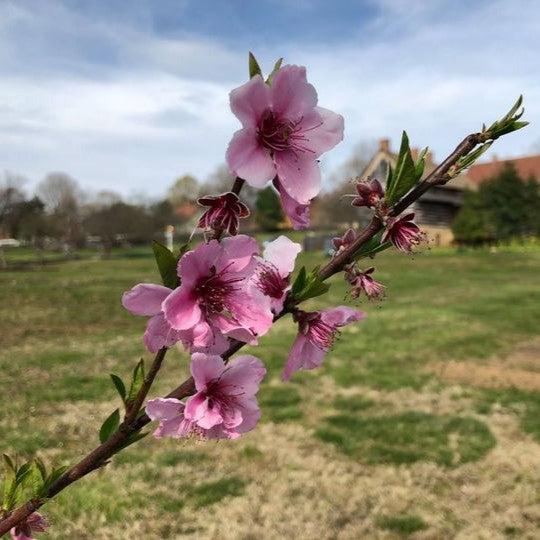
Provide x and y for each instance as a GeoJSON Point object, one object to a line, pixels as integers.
{"type": "Point", "coordinates": [282, 253]}
{"type": "Point", "coordinates": [252, 311]}
{"type": "Point", "coordinates": [250, 100]}
{"type": "Point", "coordinates": [303, 355]}
{"type": "Point", "coordinates": [237, 252]}
{"type": "Point", "coordinates": [145, 299]}
{"type": "Point", "coordinates": [244, 374]}
{"type": "Point", "coordinates": [251, 414]}
{"type": "Point", "coordinates": [323, 129]}
{"type": "Point", "coordinates": [171, 428]}
{"type": "Point", "coordinates": [247, 159]}
{"type": "Point", "coordinates": [292, 95]}
{"type": "Point", "coordinates": [296, 212]}
{"type": "Point", "coordinates": [181, 309]}
{"type": "Point", "coordinates": [198, 411]}
{"type": "Point", "coordinates": [164, 408]}
{"type": "Point", "coordinates": [205, 368]}
{"type": "Point", "coordinates": [341, 315]}
{"type": "Point", "coordinates": [196, 263]}
{"type": "Point", "coordinates": [159, 334]}
{"type": "Point", "coordinates": [299, 174]}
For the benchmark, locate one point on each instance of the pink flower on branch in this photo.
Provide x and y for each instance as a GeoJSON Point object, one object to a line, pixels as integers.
{"type": "Point", "coordinates": [272, 276]}
{"type": "Point", "coordinates": [146, 299]}
{"type": "Point", "coordinates": [225, 396]}
{"type": "Point", "coordinates": [25, 530]}
{"type": "Point", "coordinates": [224, 212]}
{"type": "Point", "coordinates": [215, 295]}
{"type": "Point", "coordinates": [403, 233]}
{"type": "Point", "coordinates": [224, 405]}
{"type": "Point", "coordinates": [370, 192]}
{"type": "Point", "coordinates": [363, 282]}
{"type": "Point", "coordinates": [283, 133]}
{"type": "Point", "coordinates": [317, 332]}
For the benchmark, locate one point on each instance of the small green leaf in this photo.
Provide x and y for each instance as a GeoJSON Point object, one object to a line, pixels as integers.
{"type": "Point", "coordinates": [109, 426]}
{"type": "Point", "coordinates": [277, 67]}
{"type": "Point", "coordinates": [23, 472]}
{"type": "Point", "coordinates": [372, 247]}
{"type": "Point", "coordinates": [40, 466]}
{"type": "Point", "coordinates": [136, 382]}
{"type": "Point", "coordinates": [9, 463]}
{"type": "Point", "coordinates": [308, 285]}
{"type": "Point", "coordinates": [166, 263]}
{"type": "Point", "coordinates": [135, 437]}
{"type": "Point", "coordinates": [52, 478]}
{"type": "Point", "coordinates": [254, 68]}
{"type": "Point", "coordinates": [119, 385]}
{"type": "Point", "coordinates": [299, 282]}
{"type": "Point", "coordinates": [406, 173]}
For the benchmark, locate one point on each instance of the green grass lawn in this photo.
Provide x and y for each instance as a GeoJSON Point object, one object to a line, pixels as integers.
{"type": "Point", "coordinates": [376, 443]}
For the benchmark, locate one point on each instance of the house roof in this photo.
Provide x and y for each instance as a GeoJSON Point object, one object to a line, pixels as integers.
{"type": "Point", "coordinates": [525, 166]}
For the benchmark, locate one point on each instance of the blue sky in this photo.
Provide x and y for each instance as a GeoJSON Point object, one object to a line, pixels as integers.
{"type": "Point", "coordinates": [127, 95]}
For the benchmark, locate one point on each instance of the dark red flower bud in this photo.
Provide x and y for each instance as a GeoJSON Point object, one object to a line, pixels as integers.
{"type": "Point", "coordinates": [224, 212]}
{"type": "Point", "coordinates": [370, 192]}
{"type": "Point", "coordinates": [403, 233]}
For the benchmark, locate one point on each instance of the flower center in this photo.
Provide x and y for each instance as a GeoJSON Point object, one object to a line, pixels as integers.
{"type": "Point", "coordinates": [322, 334]}
{"type": "Point", "coordinates": [279, 134]}
{"type": "Point", "coordinates": [214, 291]}
{"type": "Point", "coordinates": [269, 281]}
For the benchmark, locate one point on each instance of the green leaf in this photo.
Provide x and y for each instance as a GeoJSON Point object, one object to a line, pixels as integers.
{"type": "Point", "coordinates": [277, 67]}
{"type": "Point", "coordinates": [9, 487]}
{"type": "Point", "coordinates": [23, 472]}
{"type": "Point", "coordinates": [120, 386]}
{"type": "Point", "coordinates": [109, 426]}
{"type": "Point", "coordinates": [372, 247]}
{"type": "Point", "coordinates": [136, 382]}
{"type": "Point", "coordinates": [406, 173]}
{"type": "Point", "coordinates": [254, 68]}
{"type": "Point", "coordinates": [299, 282]}
{"type": "Point", "coordinates": [166, 263]}
{"type": "Point", "coordinates": [508, 123]}
{"type": "Point", "coordinates": [52, 478]}
{"type": "Point", "coordinates": [308, 285]}
{"type": "Point", "coordinates": [41, 468]}
{"type": "Point", "coordinates": [9, 464]}
{"type": "Point", "coordinates": [135, 437]}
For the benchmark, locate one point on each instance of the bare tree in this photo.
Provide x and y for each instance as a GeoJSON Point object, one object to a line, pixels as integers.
{"type": "Point", "coordinates": [62, 197]}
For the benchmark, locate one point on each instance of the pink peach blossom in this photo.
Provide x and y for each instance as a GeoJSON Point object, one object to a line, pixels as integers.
{"type": "Point", "coordinates": [146, 299]}
{"type": "Point", "coordinates": [215, 294]}
{"type": "Point", "coordinates": [283, 133]}
{"type": "Point", "coordinates": [363, 282]}
{"type": "Point", "coordinates": [34, 523]}
{"type": "Point", "coordinates": [316, 334]}
{"type": "Point", "coordinates": [272, 276]}
{"type": "Point", "coordinates": [225, 396]}
{"type": "Point", "coordinates": [403, 233]}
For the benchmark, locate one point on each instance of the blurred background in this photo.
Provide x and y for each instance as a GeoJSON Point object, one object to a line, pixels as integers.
{"type": "Point", "coordinates": [424, 420]}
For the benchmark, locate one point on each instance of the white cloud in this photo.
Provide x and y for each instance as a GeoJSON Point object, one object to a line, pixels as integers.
{"type": "Point", "coordinates": [161, 107]}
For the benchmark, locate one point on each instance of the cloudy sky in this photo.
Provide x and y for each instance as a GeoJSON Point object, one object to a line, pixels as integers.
{"type": "Point", "coordinates": [127, 95]}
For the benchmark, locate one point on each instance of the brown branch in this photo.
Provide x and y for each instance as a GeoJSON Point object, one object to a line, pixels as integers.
{"type": "Point", "coordinates": [101, 454]}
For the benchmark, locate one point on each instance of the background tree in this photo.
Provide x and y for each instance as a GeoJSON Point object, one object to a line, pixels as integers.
{"type": "Point", "coordinates": [62, 197]}
{"type": "Point", "coordinates": [504, 207]}
{"type": "Point", "coordinates": [268, 212]}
